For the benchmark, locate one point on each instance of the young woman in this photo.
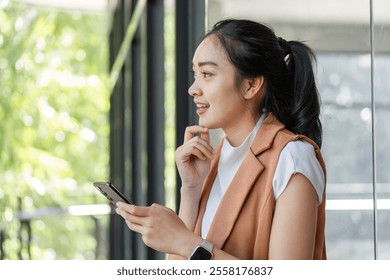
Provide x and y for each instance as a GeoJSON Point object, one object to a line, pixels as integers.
{"type": "Point", "coordinates": [261, 193]}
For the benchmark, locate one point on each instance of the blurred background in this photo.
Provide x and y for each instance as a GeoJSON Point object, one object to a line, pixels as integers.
{"type": "Point", "coordinates": [97, 91]}
{"type": "Point", "coordinates": [54, 130]}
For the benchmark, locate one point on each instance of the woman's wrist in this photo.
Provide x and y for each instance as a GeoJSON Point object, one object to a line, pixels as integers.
{"type": "Point", "coordinates": [189, 244]}
{"type": "Point", "coordinates": [191, 188]}
{"type": "Point", "coordinates": [191, 195]}
{"type": "Point", "coordinates": [190, 191]}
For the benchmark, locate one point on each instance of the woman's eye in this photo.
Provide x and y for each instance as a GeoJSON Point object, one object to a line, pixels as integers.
{"type": "Point", "coordinates": [205, 75]}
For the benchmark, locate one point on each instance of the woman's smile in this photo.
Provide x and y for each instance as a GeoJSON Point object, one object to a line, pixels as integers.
{"type": "Point", "coordinates": [202, 108]}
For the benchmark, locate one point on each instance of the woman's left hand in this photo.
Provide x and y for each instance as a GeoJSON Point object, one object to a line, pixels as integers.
{"type": "Point", "coordinates": [160, 227]}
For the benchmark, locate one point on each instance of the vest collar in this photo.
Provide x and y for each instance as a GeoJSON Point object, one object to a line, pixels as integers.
{"type": "Point", "coordinates": [265, 137]}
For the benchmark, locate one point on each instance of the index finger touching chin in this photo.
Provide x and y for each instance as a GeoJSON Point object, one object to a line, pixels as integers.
{"type": "Point", "coordinates": [192, 130]}
{"type": "Point", "coordinates": [205, 136]}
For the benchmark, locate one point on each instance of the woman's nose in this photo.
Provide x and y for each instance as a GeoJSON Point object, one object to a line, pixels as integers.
{"type": "Point", "coordinates": [194, 89]}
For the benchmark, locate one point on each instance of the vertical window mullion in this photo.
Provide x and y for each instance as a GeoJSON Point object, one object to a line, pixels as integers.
{"type": "Point", "coordinates": [155, 107]}
{"type": "Point", "coordinates": [373, 136]}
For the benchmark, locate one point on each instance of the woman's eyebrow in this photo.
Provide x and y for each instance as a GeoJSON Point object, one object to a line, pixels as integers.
{"type": "Point", "coordinates": [210, 63]}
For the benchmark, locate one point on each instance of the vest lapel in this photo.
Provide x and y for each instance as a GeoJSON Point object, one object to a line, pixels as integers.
{"type": "Point", "coordinates": [233, 200]}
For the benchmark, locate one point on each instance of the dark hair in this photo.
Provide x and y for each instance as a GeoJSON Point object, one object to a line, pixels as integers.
{"type": "Point", "coordinates": [291, 93]}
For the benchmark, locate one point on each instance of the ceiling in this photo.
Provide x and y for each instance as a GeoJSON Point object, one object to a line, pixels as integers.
{"type": "Point", "coordinates": [306, 11]}
{"type": "Point", "coordinates": [328, 26]}
{"type": "Point", "coordinates": [77, 5]}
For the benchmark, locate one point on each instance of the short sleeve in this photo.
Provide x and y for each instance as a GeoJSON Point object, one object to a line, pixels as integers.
{"type": "Point", "coordinates": [298, 157]}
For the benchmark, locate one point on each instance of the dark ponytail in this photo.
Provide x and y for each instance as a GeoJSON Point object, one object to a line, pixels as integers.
{"type": "Point", "coordinates": [291, 93]}
{"type": "Point", "coordinates": [305, 109]}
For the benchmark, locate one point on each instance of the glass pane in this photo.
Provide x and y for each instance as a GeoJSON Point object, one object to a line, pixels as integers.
{"type": "Point", "coordinates": [339, 33]}
{"type": "Point", "coordinates": [382, 106]}
{"type": "Point", "coordinates": [344, 82]}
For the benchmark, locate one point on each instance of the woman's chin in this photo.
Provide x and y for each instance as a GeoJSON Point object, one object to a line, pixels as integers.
{"type": "Point", "coordinates": [209, 125]}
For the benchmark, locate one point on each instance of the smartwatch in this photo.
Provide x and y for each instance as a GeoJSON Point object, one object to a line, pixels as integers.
{"type": "Point", "coordinates": [204, 251]}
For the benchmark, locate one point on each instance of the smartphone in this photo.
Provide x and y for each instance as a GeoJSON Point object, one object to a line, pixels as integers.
{"type": "Point", "coordinates": [111, 193]}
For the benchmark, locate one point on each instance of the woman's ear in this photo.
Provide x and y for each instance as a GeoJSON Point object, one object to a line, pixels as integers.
{"type": "Point", "coordinates": [253, 87]}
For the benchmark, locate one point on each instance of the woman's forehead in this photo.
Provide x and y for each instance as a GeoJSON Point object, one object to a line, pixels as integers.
{"type": "Point", "coordinates": [210, 49]}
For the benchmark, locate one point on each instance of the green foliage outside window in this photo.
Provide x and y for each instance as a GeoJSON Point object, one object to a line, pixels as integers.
{"type": "Point", "coordinates": [54, 104]}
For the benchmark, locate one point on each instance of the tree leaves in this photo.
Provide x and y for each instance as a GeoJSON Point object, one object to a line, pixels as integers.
{"type": "Point", "coordinates": [54, 104]}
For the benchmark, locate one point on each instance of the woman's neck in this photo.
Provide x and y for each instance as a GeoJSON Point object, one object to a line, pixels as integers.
{"type": "Point", "coordinates": [237, 133]}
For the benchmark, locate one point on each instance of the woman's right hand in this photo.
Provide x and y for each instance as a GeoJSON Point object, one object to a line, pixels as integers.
{"type": "Point", "coordinates": [193, 158]}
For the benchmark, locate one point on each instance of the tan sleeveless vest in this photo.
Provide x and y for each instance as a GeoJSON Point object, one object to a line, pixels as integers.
{"type": "Point", "coordinates": [242, 223]}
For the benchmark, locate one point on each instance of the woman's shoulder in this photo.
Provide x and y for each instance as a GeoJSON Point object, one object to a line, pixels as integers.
{"type": "Point", "coordinates": [298, 157]}
{"type": "Point", "coordinates": [299, 148]}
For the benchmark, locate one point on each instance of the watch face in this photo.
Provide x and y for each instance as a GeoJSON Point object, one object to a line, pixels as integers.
{"type": "Point", "coordinates": [201, 254]}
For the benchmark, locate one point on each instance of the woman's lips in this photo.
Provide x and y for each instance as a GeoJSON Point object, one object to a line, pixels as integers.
{"type": "Point", "coordinates": [202, 107]}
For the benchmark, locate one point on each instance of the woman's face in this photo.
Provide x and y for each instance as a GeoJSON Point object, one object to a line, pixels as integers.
{"type": "Point", "coordinates": [219, 103]}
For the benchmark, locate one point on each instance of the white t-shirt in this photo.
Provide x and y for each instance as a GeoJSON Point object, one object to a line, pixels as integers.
{"type": "Point", "coordinates": [296, 157]}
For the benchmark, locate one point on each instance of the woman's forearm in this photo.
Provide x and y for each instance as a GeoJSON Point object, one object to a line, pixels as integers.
{"type": "Point", "coordinates": [189, 206]}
